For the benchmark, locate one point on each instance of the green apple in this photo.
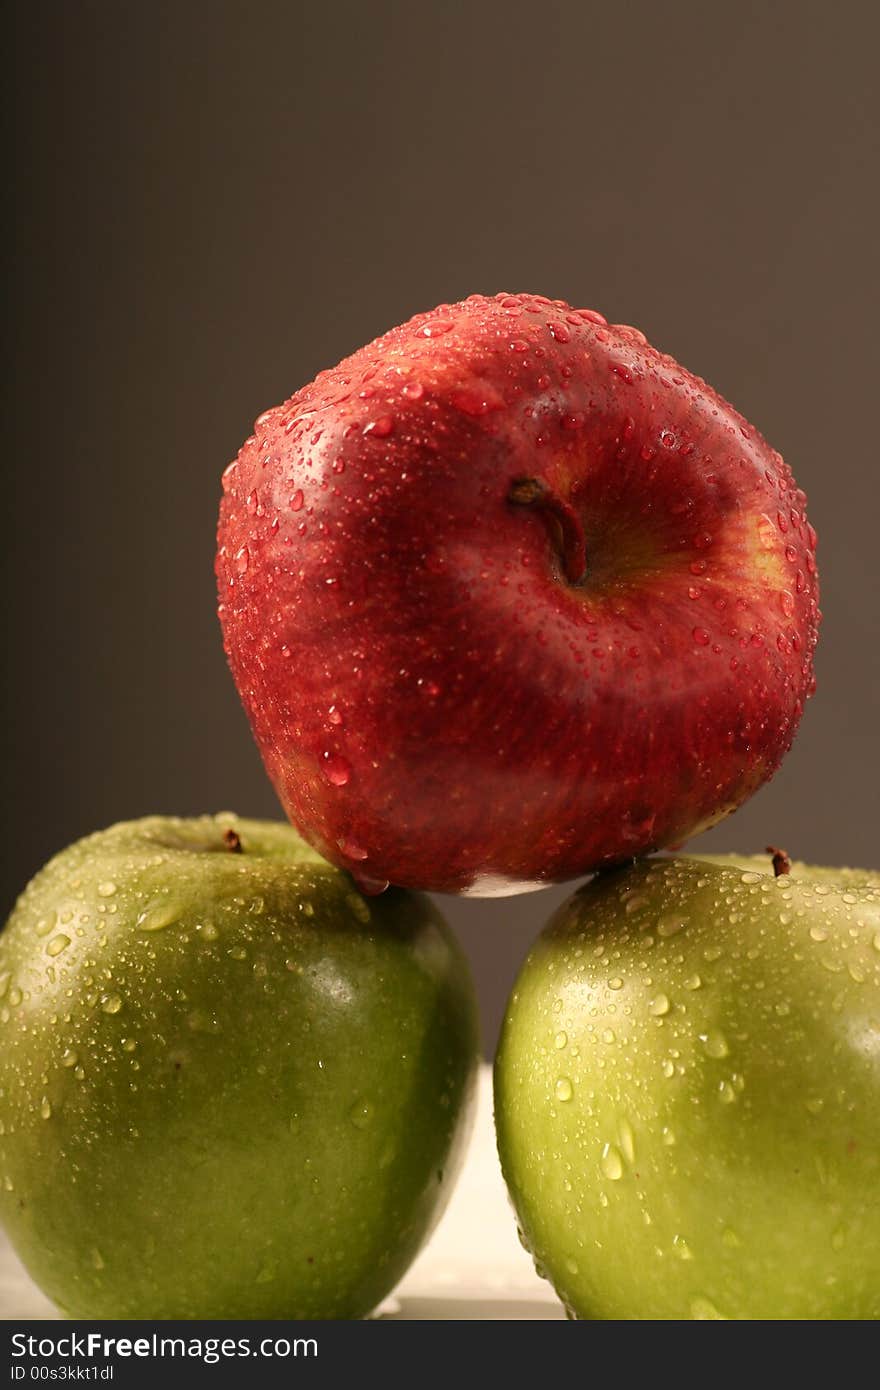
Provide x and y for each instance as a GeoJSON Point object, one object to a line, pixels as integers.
{"type": "Point", "coordinates": [230, 1085]}
{"type": "Point", "coordinates": [687, 1094]}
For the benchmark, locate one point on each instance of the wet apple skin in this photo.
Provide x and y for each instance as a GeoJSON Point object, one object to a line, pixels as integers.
{"type": "Point", "coordinates": [438, 705]}
{"type": "Point", "coordinates": [230, 1086]}
{"type": "Point", "coordinates": [687, 1094]}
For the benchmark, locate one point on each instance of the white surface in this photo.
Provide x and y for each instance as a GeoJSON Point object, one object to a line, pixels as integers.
{"type": "Point", "coordinates": [473, 1268]}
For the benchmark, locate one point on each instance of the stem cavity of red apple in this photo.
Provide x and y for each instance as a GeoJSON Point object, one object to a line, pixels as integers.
{"type": "Point", "coordinates": [562, 522]}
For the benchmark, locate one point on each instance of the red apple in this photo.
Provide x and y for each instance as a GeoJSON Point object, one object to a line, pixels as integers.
{"type": "Point", "coordinates": [509, 595]}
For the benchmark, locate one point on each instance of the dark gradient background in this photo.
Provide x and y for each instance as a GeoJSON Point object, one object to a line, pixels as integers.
{"type": "Point", "coordinates": [212, 201]}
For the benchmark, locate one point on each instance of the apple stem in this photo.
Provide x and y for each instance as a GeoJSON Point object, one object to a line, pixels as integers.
{"type": "Point", "coordinates": [781, 860]}
{"type": "Point", "coordinates": [562, 522]}
{"type": "Point", "coordinates": [232, 841]}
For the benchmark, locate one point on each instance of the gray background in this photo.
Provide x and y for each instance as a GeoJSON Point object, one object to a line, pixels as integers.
{"type": "Point", "coordinates": [214, 200]}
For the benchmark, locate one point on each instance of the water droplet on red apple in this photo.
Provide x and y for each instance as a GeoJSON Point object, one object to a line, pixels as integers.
{"type": "Point", "coordinates": [559, 332]}
{"type": "Point", "coordinates": [414, 390]}
{"type": "Point", "coordinates": [242, 560]}
{"type": "Point", "coordinates": [592, 316]}
{"type": "Point", "coordinates": [336, 770]}
{"type": "Point", "coordinates": [370, 887]}
{"type": "Point", "coordinates": [334, 715]}
{"type": "Point", "coordinates": [766, 534]}
{"type": "Point", "coordinates": [476, 400]}
{"type": "Point", "coordinates": [381, 428]}
{"type": "Point", "coordinates": [635, 335]}
{"type": "Point", "coordinates": [296, 500]}
{"type": "Point", "coordinates": [352, 850]}
{"type": "Point", "coordinates": [620, 370]}
{"type": "Point", "coordinates": [701, 637]}
{"type": "Point", "coordinates": [436, 328]}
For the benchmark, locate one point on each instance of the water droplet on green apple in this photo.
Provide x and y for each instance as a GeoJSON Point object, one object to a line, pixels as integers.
{"type": "Point", "coordinates": [715, 1043]}
{"type": "Point", "coordinates": [106, 889]}
{"type": "Point", "coordinates": [58, 944]}
{"type": "Point", "coordinates": [702, 1310]}
{"type": "Point", "coordinates": [157, 917]}
{"type": "Point", "coordinates": [560, 1040]}
{"type": "Point", "coordinates": [358, 907]}
{"type": "Point", "coordinates": [611, 1163]}
{"type": "Point", "coordinates": [111, 1004]}
{"type": "Point", "coordinates": [634, 902]}
{"type": "Point", "coordinates": [671, 925]}
{"type": "Point", "coordinates": [627, 1139]}
{"type": "Point", "coordinates": [563, 1089]}
{"type": "Point", "coordinates": [659, 1005]}
{"type": "Point", "coordinates": [45, 1108]}
{"type": "Point", "coordinates": [361, 1114]}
